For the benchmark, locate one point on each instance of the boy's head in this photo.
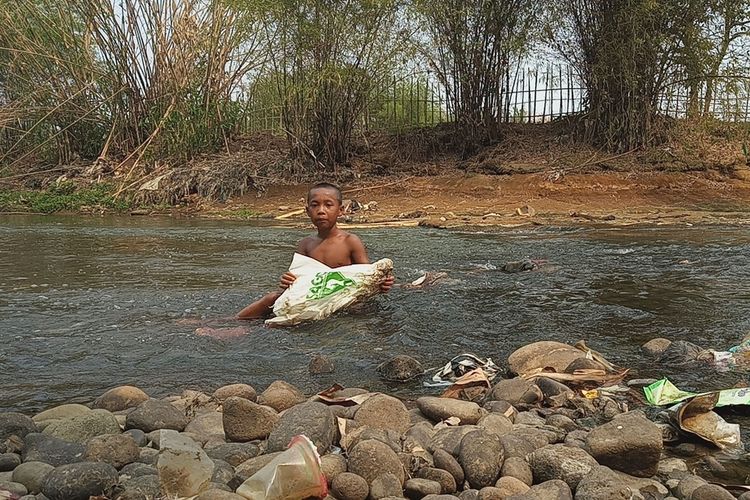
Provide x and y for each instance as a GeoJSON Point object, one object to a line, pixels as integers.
{"type": "Point", "coordinates": [324, 205]}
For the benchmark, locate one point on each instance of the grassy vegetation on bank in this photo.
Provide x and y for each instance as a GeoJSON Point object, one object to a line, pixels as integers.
{"type": "Point", "coordinates": [62, 197]}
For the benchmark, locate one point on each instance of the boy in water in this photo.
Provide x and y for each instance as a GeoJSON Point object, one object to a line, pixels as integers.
{"type": "Point", "coordinates": [332, 246]}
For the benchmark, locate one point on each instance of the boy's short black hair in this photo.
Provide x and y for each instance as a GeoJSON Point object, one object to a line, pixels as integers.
{"type": "Point", "coordinates": [327, 185]}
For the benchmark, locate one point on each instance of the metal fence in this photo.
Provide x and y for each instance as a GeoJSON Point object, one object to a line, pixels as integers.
{"type": "Point", "coordinates": [530, 95]}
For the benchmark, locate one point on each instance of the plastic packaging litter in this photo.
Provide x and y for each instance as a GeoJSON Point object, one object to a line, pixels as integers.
{"type": "Point", "coordinates": [293, 475]}
{"type": "Point", "coordinates": [460, 366]}
{"type": "Point", "coordinates": [319, 290]}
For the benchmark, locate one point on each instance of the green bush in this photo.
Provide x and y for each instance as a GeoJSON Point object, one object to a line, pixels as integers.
{"type": "Point", "coordinates": [61, 197]}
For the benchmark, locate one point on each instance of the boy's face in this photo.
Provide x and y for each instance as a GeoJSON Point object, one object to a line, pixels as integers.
{"type": "Point", "coordinates": [323, 208]}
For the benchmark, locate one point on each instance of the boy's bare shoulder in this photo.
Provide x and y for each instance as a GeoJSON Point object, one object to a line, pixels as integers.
{"type": "Point", "coordinates": [304, 244]}
{"type": "Point", "coordinates": [351, 238]}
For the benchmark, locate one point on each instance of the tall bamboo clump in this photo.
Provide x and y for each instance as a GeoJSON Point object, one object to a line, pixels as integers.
{"type": "Point", "coordinates": [94, 78]}
{"type": "Point", "coordinates": [471, 45]}
{"type": "Point", "coordinates": [328, 56]}
{"type": "Point", "coordinates": [622, 51]}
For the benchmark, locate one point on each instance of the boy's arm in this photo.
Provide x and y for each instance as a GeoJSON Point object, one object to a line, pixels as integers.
{"type": "Point", "coordinates": [358, 251]}
{"type": "Point", "coordinates": [359, 256]}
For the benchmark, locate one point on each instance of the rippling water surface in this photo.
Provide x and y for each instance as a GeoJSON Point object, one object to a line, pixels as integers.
{"type": "Point", "coordinates": [87, 304]}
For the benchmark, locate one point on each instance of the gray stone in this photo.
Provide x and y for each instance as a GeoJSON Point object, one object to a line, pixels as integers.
{"type": "Point", "coordinates": [223, 473]}
{"type": "Point", "coordinates": [518, 468]}
{"type": "Point", "coordinates": [244, 420]}
{"type": "Point", "coordinates": [385, 485]}
{"type": "Point", "coordinates": [562, 422]}
{"type": "Point", "coordinates": [206, 425]}
{"type": "Point", "coordinates": [16, 489]}
{"type": "Point", "coordinates": [496, 423]}
{"type": "Point", "coordinates": [148, 456]}
{"type": "Point", "coordinates": [439, 497]}
{"type": "Point", "coordinates": [239, 390]}
{"type": "Point", "coordinates": [313, 419]}
{"type": "Point", "coordinates": [602, 483]}
{"type": "Point", "coordinates": [138, 436]}
{"type": "Point", "coordinates": [444, 478]}
{"type": "Point", "coordinates": [554, 489]}
{"type": "Point", "coordinates": [281, 396]}
{"type": "Point", "coordinates": [630, 443]}
{"type": "Point", "coordinates": [449, 439]}
{"type": "Point", "coordinates": [557, 461]}
{"type": "Point", "coordinates": [510, 486]}
{"type": "Point", "coordinates": [516, 391]}
{"type": "Point", "coordinates": [401, 368]}
{"type": "Point", "coordinates": [80, 481]}
{"type": "Point", "coordinates": [555, 393]}
{"type": "Point", "coordinates": [15, 424]}
{"type": "Point", "coordinates": [383, 412]}
{"type": "Point", "coordinates": [233, 453]}
{"type": "Point", "coordinates": [420, 434]}
{"type": "Point", "coordinates": [655, 347]}
{"type": "Point", "coordinates": [417, 488]}
{"type": "Point", "coordinates": [439, 409]}
{"type": "Point", "coordinates": [120, 398]}
{"type": "Point", "coordinates": [184, 468]}
{"type": "Point", "coordinates": [9, 461]}
{"type": "Point", "coordinates": [469, 494]}
{"type": "Point", "coordinates": [253, 465]}
{"type": "Point", "coordinates": [51, 450]}
{"type": "Point", "coordinates": [528, 418]}
{"type": "Point", "coordinates": [61, 412]}
{"type": "Point", "coordinates": [543, 354]}
{"type": "Point", "coordinates": [502, 408]}
{"type": "Point", "coordinates": [445, 461]}
{"type": "Point", "coordinates": [144, 487]}
{"type": "Point", "coordinates": [117, 450]}
{"type": "Point", "coordinates": [155, 414]}
{"type": "Point", "coordinates": [516, 444]}
{"type": "Point", "coordinates": [320, 365]}
{"type": "Point", "coordinates": [577, 439]}
{"type": "Point", "coordinates": [481, 458]}
{"type": "Point", "coordinates": [491, 493]}
{"type": "Point", "coordinates": [348, 486]}
{"type": "Point", "coordinates": [687, 486]}
{"type": "Point", "coordinates": [332, 465]}
{"type": "Point", "coordinates": [371, 458]}
{"type": "Point", "coordinates": [137, 469]}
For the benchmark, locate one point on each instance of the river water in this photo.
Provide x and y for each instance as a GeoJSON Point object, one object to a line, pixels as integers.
{"type": "Point", "coordinates": [90, 303]}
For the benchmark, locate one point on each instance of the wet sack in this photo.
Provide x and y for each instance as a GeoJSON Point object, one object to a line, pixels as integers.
{"type": "Point", "coordinates": [319, 290]}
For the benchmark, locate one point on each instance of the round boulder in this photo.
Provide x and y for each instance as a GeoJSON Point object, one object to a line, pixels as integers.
{"type": "Point", "coordinates": [15, 424]}
{"type": "Point", "coordinates": [207, 425]}
{"type": "Point", "coordinates": [281, 396]}
{"type": "Point", "coordinates": [80, 481]}
{"type": "Point", "coordinates": [511, 486]}
{"type": "Point", "coordinates": [233, 453]}
{"type": "Point", "coordinates": [386, 485]}
{"type": "Point", "coordinates": [120, 398]}
{"type": "Point", "coordinates": [51, 450]}
{"type": "Point", "coordinates": [445, 461]}
{"type": "Point", "coordinates": [417, 488]}
{"type": "Point", "coordinates": [384, 412]}
{"type": "Point", "coordinates": [315, 420]}
{"type": "Point", "coordinates": [244, 420]}
{"type": "Point", "coordinates": [711, 492]}
{"type": "Point", "coordinates": [83, 427]}
{"type": "Point", "coordinates": [348, 486]}
{"type": "Point", "coordinates": [444, 478]}
{"type": "Point", "coordinates": [331, 466]}
{"type": "Point", "coordinates": [155, 414]}
{"type": "Point", "coordinates": [401, 368]}
{"type": "Point", "coordinates": [371, 458]}
{"type": "Point", "coordinates": [518, 468]}
{"type": "Point", "coordinates": [629, 443]}
{"type": "Point", "coordinates": [655, 347]}
{"type": "Point", "coordinates": [439, 409]}
{"type": "Point", "coordinates": [320, 365]}
{"type": "Point", "coordinates": [60, 412]}
{"type": "Point", "coordinates": [9, 461]}
{"type": "Point", "coordinates": [481, 457]}
{"type": "Point", "coordinates": [239, 390]}
{"type": "Point", "coordinates": [32, 475]}
{"type": "Point", "coordinates": [557, 461]}
{"type": "Point", "coordinates": [117, 450]}
{"type": "Point", "coordinates": [516, 391]}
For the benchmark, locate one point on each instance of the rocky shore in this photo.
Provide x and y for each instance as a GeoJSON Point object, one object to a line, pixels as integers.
{"type": "Point", "coordinates": [522, 439]}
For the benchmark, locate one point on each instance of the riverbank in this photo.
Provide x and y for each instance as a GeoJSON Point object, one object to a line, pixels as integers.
{"type": "Point", "coordinates": [526, 438]}
{"type": "Point", "coordinates": [535, 175]}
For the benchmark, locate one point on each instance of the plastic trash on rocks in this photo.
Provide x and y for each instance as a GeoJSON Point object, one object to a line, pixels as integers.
{"type": "Point", "coordinates": [319, 290]}
{"type": "Point", "coordinates": [293, 475]}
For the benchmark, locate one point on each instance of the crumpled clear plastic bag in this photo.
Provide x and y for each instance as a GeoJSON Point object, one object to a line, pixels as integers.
{"type": "Point", "coordinates": [319, 290]}
{"type": "Point", "coordinates": [293, 475]}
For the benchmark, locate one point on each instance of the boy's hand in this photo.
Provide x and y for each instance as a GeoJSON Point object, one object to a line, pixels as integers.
{"type": "Point", "coordinates": [286, 280]}
{"type": "Point", "coordinates": [387, 284]}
